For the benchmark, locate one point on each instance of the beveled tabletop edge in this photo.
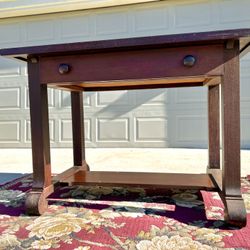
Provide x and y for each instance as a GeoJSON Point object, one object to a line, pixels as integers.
{"type": "Point", "coordinates": [131, 43]}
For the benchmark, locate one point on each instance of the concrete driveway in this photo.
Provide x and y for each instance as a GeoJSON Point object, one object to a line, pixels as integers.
{"type": "Point", "coordinates": [119, 159]}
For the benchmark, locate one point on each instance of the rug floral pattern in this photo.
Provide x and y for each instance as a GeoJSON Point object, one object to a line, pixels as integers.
{"type": "Point", "coordinates": [89, 218]}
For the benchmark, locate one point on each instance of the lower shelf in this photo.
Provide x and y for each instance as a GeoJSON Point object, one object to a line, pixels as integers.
{"type": "Point", "coordinates": [150, 180]}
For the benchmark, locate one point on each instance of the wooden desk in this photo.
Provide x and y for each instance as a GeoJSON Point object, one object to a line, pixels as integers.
{"type": "Point", "coordinates": [208, 59]}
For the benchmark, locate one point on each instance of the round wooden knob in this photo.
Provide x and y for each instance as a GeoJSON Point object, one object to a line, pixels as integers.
{"type": "Point", "coordinates": [189, 61]}
{"type": "Point", "coordinates": [63, 68]}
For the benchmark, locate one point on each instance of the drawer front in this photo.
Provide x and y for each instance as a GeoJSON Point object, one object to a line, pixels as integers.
{"type": "Point", "coordinates": [133, 65]}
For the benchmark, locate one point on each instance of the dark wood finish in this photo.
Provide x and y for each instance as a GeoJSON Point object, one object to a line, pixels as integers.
{"type": "Point", "coordinates": [216, 176]}
{"type": "Point", "coordinates": [149, 180]}
{"type": "Point", "coordinates": [62, 177]}
{"type": "Point", "coordinates": [139, 63]}
{"type": "Point", "coordinates": [211, 37]}
{"type": "Point", "coordinates": [147, 64]}
{"type": "Point", "coordinates": [78, 129]}
{"type": "Point", "coordinates": [230, 109]}
{"type": "Point", "coordinates": [36, 202]}
{"type": "Point", "coordinates": [214, 127]}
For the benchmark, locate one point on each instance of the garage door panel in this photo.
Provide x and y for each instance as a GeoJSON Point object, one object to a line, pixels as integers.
{"type": "Point", "coordinates": [148, 19]}
{"type": "Point", "coordinates": [105, 25]}
{"type": "Point", "coordinates": [186, 15]}
{"type": "Point", "coordinates": [10, 131]}
{"type": "Point", "coordinates": [229, 14]}
{"type": "Point", "coordinates": [191, 130]}
{"type": "Point", "coordinates": [109, 130]}
{"type": "Point", "coordinates": [10, 98]}
{"type": "Point", "coordinates": [71, 29]}
{"type": "Point", "coordinates": [39, 31]}
{"type": "Point", "coordinates": [153, 129]}
{"type": "Point", "coordinates": [65, 130]}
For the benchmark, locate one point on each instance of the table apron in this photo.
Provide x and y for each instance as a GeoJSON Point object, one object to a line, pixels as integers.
{"type": "Point", "coordinates": [133, 65]}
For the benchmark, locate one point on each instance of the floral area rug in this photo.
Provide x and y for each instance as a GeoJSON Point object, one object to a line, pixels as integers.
{"type": "Point", "coordinates": [89, 218]}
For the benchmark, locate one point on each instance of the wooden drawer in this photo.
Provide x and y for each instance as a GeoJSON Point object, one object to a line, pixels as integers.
{"type": "Point", "coordinates": [132, 65]}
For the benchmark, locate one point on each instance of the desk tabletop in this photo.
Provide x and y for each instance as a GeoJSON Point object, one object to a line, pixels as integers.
{"type": "Point", "coordinates": [212, 37]}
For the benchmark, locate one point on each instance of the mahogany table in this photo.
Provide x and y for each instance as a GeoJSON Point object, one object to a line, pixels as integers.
{"type": "Point", "coordinates": [208, 59]}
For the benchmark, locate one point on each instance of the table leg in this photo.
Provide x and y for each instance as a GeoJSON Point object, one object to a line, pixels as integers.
{"type": "Point", "coordinates": [78, 130]}
{"type": "Point", "coordinates": [214, 127]}
{"type": "Point", "coordinates": [36, 202]}
{"type": "Point", "coordinates": [231, 185]}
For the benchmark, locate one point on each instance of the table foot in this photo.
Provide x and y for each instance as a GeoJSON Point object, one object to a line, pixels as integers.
{"type": "Point", "coordinates": [235, 211]}
{"type": "Point", "coordinates": [36, 202]}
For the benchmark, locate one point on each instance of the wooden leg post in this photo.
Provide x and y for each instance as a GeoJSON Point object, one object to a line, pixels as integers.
{"type": "Point", "coordinates": [230, 107]}
{"type": "Point", "coordinates": [78, 130]}
{"type": "Point", "coordinates": [36, 202]}
{"type": "Point", "coordinates": [213, 167]}
{"type": "Point", "coordinates": [214, 127]}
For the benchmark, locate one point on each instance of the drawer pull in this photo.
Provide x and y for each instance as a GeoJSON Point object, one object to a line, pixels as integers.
{"type": "Point", "coordinates": [64, 69]}
{"type": "Point", "coordinates": [189, 61]}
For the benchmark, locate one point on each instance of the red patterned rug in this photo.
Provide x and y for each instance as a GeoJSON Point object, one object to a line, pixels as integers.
{"type": "Point", "coordinates": [84, 218]}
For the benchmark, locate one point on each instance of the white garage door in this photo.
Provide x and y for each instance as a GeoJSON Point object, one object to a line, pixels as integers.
{"type": "Point", "coordinates": [145, 118]}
